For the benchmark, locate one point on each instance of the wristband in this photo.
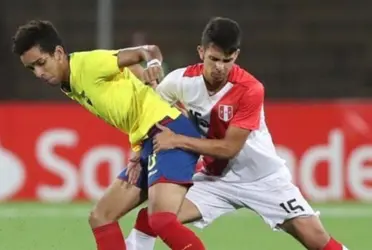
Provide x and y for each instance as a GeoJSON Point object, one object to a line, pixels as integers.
{"type": "Point", "coordinates": [153, 62]}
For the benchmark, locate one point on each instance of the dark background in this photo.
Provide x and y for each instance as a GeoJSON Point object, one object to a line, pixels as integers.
{"type": "Point", "coordinates": [298, 49]}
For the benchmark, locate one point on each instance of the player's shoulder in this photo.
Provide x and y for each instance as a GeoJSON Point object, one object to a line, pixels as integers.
{"type": "Point", "coordinates": [245, 81]}
{"type": "Point", "coordinates": [96, 52]}
{"type": "Point", "coordinates": [189, 71]}
{"type": "Point", "coordinates": [92, 55]}
{"type": "Point", "coordinates": [93, 62]}
{"type": "Point", "coordinates": [194, 70]}
{"type": "Point", "coordinates": [185, 74]}
{"type": "Point", "coordinates": [188, 74]}
{"type": "Point", "coordinates": [176, 74]}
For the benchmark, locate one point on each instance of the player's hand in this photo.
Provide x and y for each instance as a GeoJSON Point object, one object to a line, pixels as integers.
{"type": "Point", "coordinates": [153, 74]}
{"type": "Point", "coordinates": [134, 169]}
{"type": "Point", "coordinates": [166, 139]}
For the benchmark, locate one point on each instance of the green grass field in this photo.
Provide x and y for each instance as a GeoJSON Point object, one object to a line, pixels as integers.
{"type": "Point", "coordinates": [34, 226]}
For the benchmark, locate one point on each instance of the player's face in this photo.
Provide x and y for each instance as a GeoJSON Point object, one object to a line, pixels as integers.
{"type": "Point", "coordinates": [217, 64]}
{"type": "Point", "coordinates": [45, 66]}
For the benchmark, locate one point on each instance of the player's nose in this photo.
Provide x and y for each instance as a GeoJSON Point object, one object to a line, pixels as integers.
{"type": "Point", "coordinates": [220, 65]}
{"type": "Point", "coordinates": [38, 72]}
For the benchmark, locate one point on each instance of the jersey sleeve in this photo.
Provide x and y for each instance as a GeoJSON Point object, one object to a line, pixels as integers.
{"type": "Point", "coordinates": [249, 109]}
{"type": "Point", "coordinates": [102, 63]}
{"type": "Point", "coordinates": [170, 87]}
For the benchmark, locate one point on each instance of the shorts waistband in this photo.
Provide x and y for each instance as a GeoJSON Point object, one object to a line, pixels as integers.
{"type": "Point", "coordinates": [154, 130]}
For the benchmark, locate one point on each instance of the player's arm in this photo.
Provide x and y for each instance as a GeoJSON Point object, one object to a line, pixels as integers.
{"type": "Point", "coordinates": [106, 63]}
{"type": "Point", "coordinates": [225, 148]}
{"type": "Point", "coordinates": [137, 70]}
{"type": "Point", "coordinates": [135, 55]}
{"type": "Point", "coordinates": [150, 54]}
{"type": "Point", "coordinates": [245, 120]}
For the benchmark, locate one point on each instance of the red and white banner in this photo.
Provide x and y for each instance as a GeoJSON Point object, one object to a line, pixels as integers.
{"type": "Point", "coordinates": [60, 152]}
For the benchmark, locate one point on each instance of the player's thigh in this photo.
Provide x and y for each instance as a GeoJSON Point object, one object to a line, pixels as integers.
{"type": "Point", "coordinates": [166, 197]}
{"type": "Point", "coordinates": [188, 212]}
{"type": "Point", "coordinates": [275, 198]}
{"type": "Point", "coordinates": [120, 198]}
{"type": "Point", "coordinates": [170, 175]}
{"type": "Point", "coordinates": [206, 201]}
{"type": "Point", "coordinates": [172, 166]}
{"type": "Point", "coordinates": [170, 172]}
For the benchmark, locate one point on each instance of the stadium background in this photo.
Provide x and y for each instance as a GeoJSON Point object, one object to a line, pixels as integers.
{"type": "Point", "coordinates": [314, 57]}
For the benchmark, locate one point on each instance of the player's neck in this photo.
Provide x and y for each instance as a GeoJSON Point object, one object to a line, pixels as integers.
{"type": "Point", "coordinates": [67, 69]}
{"type": "Point", "coordinates": [65, 84]}
{"type": "Point", "coordinates": [214, 88]}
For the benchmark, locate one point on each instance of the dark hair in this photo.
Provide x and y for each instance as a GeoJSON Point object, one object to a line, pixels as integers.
{"type": "Point", "coordinates": [36, 33]}
{"type": "Point", "coordinates": [222, 32]}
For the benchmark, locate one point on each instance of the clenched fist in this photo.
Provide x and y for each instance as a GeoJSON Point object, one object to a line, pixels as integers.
{"type": "Point", "coordinates": [153, 74]}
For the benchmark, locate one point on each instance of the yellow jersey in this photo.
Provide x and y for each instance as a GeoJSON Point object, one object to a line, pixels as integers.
{"type": "Point", "coordinates": [115, 94]}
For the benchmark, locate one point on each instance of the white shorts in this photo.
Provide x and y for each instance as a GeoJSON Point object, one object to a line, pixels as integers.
{"type": "Point", "coordinates": [275, 198]}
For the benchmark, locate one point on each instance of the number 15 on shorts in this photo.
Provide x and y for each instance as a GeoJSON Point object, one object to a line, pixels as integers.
{"type": "Point", "coordinates": [151, 165]}
{"type": "Point", "coordinates": [291, 206]}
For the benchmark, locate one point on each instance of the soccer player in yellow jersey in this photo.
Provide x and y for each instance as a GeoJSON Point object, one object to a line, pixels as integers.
{"type": "Point", "coordinates": [101, 81]}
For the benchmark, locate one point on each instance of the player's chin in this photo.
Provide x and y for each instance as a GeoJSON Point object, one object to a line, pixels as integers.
{"type": "Point", "coordinates": [218, 80]}
{"type": "Point", "coordinates": [53, 82]}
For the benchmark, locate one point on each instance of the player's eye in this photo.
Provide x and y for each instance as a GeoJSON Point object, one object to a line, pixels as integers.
{"type": "Point", "coordinates": [227, 60]}
{"type": "Point", "coordinates": [40, 63]}
{"type": "Point", "coordinates": [32, 68]}
{"type": "Point", "coordinates": [214, 59]}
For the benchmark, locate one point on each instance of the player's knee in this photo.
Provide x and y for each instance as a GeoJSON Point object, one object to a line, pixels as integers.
{"type": "Point", "coordinates": [142, 215]}
{"type": "Point", "coordinates": [311, 232]}
{"type": "Point", "coordinates": [159, 221]}
{"type": "Point", "coordinates": [143, 223]}
{"type": "Point", "coordinates": [98, 217]}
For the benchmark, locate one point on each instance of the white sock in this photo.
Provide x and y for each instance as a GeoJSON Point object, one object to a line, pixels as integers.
{"type": "Point", "coordinates": [344, 248]}
{"type": "Point", "coordinates": [139, 241]}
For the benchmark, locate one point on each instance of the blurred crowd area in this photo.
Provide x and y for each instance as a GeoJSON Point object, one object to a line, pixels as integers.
{"type": "Point", "coordinates": [298, 49]}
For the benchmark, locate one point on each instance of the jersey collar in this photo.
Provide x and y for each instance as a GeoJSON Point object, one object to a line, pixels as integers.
{"type": "Point", "coordinates": [66, 86]}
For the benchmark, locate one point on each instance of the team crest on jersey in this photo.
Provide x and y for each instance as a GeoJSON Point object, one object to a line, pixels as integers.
{"type": "Point", "coordinates": [225, 112]}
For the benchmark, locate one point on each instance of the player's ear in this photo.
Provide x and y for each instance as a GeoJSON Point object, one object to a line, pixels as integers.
{"type": "Point", "coordinates": [237, 52]}
{"type": "Point", "coordinates": [59, 53]}
{"type": "Point", "coordinates": [200, 50]}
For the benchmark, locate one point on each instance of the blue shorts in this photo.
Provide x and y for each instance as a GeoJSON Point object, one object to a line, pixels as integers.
{"type": "Point", "coordinates": [171, 166]}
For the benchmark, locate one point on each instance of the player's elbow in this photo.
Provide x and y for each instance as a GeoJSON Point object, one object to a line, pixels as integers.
{"type": "Point", "coordinates": [231, 153]}
{"type": "Point", "coordinates": [154, 51]}
{"type": "Point", "coordinates": [227, 151]}
{"type": "Point", "coordinates": [153, 47]}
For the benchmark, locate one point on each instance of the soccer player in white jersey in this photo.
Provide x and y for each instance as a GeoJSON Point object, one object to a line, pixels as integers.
{"type": "Point", "coordinates": [241, 167]}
